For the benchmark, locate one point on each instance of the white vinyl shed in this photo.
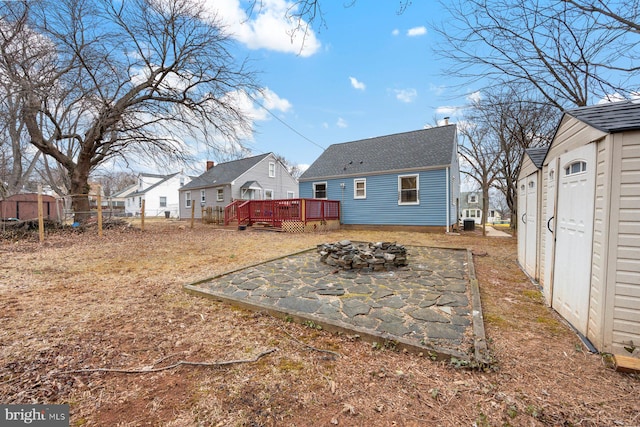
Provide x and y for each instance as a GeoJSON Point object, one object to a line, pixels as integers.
{"type": "Point", "coordinates": [579, 222]}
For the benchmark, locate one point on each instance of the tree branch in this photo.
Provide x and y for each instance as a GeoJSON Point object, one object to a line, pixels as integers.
{"type": "Point", "coordinates": [147, 370]}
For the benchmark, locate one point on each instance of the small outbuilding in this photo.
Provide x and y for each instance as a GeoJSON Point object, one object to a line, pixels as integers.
{"type": "Point", "coordinates": [24, 207]}
{"type": "Point", "coordinates": [579, 222]}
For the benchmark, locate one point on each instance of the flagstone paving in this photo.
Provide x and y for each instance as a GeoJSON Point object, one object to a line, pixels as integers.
{"type": "Point", "coordinates": [431, 306]}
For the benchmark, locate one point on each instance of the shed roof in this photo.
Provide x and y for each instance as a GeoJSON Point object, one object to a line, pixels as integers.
{"type": "Point", "coordinates": [537, 155]}
{"type": "Point", "coordinates": [224, 173]}
{"type": "Point", "coordinates": [409, 150]}
{"type": "Point", "coordinates": [610, 117]}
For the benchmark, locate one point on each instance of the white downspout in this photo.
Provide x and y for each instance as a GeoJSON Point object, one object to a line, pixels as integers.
{"type": "Point", "coordinates": [448, 201]}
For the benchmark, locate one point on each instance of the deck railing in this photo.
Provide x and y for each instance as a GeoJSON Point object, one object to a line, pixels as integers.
{"type": "Point", "coordinates": [274, 212]}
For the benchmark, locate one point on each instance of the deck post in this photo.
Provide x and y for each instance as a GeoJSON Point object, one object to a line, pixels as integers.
{"type": "Point", "coordinates": [303, 213]}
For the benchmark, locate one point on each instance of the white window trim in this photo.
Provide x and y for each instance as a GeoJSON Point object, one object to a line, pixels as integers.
{"type": "Point", "coordinates": [160, 201]}
{"type": "Point", "coordinates": [187, 199]}
{"type": "Point", "coordinates": [272, 170]}
{"type": "Point", "coordinates": [220, 194]}
{"type": "Point", "coordinates": [400, 202]}
{"type": "Point", "coordinates": [473, 198]}
{"type": "Point", "coordinates": [355, 188]}
{"type": "Point", "coordinates": [326, 190]}
{"type": "Point", "coordinates": [266, 190]}
{"type": "Point", "coordinates": [203, 196]}
{"type": "Point", "coordinates": [568, 168]}
{"type": "Point", "coordinates": [291, 194]}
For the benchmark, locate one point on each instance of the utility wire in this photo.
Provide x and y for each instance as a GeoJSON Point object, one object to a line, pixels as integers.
{"type": "Point", "coordinates": [284, 123]}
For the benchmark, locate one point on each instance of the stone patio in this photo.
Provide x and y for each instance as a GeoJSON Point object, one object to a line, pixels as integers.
{"type": "Point", "coordinates": [431, 306]}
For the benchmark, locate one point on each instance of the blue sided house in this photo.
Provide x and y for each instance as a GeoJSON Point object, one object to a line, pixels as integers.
{"type": "Point", "coordinates": [405, 179]}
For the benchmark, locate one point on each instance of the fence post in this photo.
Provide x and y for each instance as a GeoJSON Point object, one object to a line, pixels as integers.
{"type": "Point", "coordinates": [99, 211]}
{"type": "Point", "coordinates": [193, 212]}
{"type": "Point", "coordinates": [303, 213]}
{"type": "Point", "coordinates": [40, 215]}
{"type": "Point", "coordinates": [142, 215]}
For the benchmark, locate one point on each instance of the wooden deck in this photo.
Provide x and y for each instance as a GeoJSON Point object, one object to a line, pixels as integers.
{"type": "Point", "coordinates": [284, 213]}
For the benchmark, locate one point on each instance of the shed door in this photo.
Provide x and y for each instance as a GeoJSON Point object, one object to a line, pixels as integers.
{"type": "Point", "coordinates": [531, 249]}
{"type": "Point", "coordinates": [527, 223]}
{"type": "Point", "coordinates": [549, 228]}
{"type": "Point", "coordinates": [574, 236]}
{"type": "Point", "coordinates": [522, 224]}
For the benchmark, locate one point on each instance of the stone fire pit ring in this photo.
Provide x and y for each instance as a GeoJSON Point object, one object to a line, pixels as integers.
{"type": "Point", "coordinates": [365, 257]}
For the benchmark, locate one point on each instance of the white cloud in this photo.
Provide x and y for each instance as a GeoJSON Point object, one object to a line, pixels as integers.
{"type": "Point", "coordinates": [325, 125]}
{"type": "Point", "coordinates": [417, 31]}
{"type": "Point", "coordinates": [406, 95]}
{"type": "Point", "coordinates": [446, 110]}
{"type": "Point", "coordinates": [356, 84]}
{"type": "Point", "coordinates": [269, 26]}
{"type": "Point", "coordinates": [395, 32]}
{"type": "Point", "coordinates": [474, 96]}
{"type": "Point", "coordinates": [341, 123]}
{"type": "Point", "coordinates": [273, 102]}
{"type": "Point", "coordinates": [254, 112]}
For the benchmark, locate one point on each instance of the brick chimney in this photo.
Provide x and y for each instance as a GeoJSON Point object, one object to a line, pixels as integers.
{"type": "Point", "coordinates": [210, 164]}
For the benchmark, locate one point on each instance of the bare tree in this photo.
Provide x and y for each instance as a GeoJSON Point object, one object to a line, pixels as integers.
{"type": "Point", "coordinates": [101, 80]}
{"type": "Point", "coordinates": [480, 153]}
{"type": "Point", "coordinates": [619, 14]}
{"type": "Point", "coordinates": [17, 162]}
{"type": "Point", "coordinates": [516, 123]}
{"type": "Point", "coordinates": [114, 181]}
{"type": "Point", "coordinates": [554, 50]}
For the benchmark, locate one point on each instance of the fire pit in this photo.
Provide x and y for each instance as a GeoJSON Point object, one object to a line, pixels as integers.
{"type": "Point", "coordinates": [364, 256]}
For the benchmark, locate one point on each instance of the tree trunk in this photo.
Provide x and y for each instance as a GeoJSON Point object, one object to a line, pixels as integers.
{"type": "Point", "coordinates": [485, 208]}
{"type": "Point", "coordinates": [79, 190]}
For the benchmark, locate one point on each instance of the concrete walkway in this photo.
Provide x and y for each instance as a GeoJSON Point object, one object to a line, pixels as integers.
{"type": "Point", "coordinates": [492, 232]}
{"type": "Point", "coordinates": [432, 306]}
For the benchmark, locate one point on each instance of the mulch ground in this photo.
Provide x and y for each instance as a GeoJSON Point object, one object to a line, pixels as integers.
{"type": "Point", "coordinates": [78, 312]}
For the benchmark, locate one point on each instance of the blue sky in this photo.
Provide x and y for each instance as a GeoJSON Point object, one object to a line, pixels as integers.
{"type": "Point", "coordinates": [369, 72]}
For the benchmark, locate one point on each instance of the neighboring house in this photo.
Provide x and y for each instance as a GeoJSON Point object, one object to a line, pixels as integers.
{"type": "Point", "coordinates": [471, 208]}
{"type": "Point", "coordinates": [159, 192]}
{"type": "Point", "coordinates": [579, 222]}
{"type": "Point", "coordinates": [405, 179]}
{"type": "Point", "coordinates": [261, 177]}
{"type": "Point", "coordinates": [118, 200]}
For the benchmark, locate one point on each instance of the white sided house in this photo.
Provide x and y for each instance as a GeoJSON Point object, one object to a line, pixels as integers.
{"type": "Point", "coordinates": [579, 223]}
{"type": "Point", "coordinates": [159, 193]}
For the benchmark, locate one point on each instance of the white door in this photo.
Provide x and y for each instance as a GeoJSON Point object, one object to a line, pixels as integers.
{"type": "Point", "coordinates": [531, 247]}
{"type": "Point", "coordinates": [549, 228]}
{"type": "Point", "coordinates": [527, 223]}
{"type": "Point", "coordinates": [522, 225]}
{"type": "Point", "coordinates": [574, 235]}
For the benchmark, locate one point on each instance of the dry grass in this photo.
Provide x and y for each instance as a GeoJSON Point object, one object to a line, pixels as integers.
{"type": "Point", "coordinates": [80, 302]}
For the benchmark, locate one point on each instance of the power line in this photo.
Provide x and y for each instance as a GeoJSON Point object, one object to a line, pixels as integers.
{"type": "Point", "coordinates": [284, 123]}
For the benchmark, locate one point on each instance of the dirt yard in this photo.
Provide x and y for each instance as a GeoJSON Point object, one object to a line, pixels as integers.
{"type": "Point", "coordinates": [77, 307]}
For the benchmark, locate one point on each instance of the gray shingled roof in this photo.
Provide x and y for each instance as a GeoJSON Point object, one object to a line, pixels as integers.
{"type": "Point", "coordinates": [611, 117]}
{"type": "Point", "coordinates": [537, 155]}
{"type": "Point", "coordinates": [224, 173]}
{"type": "Point", "coordinates": [409, 150]}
